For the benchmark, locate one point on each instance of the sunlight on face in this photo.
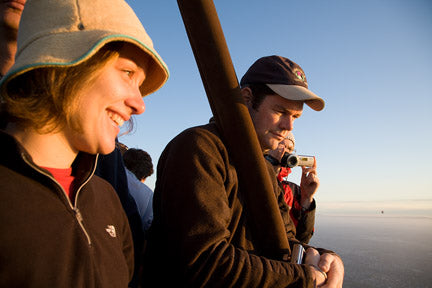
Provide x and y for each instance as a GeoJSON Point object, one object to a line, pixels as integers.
{"type": "Point", "coordinates": [108, 102]}
{"type": "Point", "coordinates": [274, 118]}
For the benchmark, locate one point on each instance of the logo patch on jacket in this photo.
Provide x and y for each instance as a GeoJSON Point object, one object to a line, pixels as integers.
{"type": "Point", "coordinates": [111, 230]}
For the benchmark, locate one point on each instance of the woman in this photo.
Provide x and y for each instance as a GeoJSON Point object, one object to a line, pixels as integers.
{"type": "Point", "coordinates": [81, 70]}
{"type": "Point", "coordinates": [302, 205]}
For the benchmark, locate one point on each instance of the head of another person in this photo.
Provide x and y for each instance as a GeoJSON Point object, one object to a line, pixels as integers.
{"type": "Point", "coordinates": [10, 15]}
{"type": "Point", "coordinates": [274, 89]}
{"type": "Point", "coordinates": [82, 68]}
{"type": "Point", "coordinates": [138, 162]}
{"type": "Point", "coordinates": [286, 145]}
{"type": "Point", "coordinates": [289, 142]}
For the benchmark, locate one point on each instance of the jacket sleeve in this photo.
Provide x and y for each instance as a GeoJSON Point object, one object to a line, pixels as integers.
{"type": "Point", "coordinates": [192, 209]}
{"type": "Point", "coordinates": [305, 218]}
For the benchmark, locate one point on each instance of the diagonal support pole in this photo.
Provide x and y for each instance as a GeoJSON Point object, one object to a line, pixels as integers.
{"type": "Point", "coordinates": [221, 84]}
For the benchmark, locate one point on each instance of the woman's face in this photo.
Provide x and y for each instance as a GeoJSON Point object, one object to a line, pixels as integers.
{"type": "Point", "coordinates": [110, 100]}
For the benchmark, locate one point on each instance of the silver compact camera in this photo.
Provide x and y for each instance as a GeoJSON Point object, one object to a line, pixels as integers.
{"type": "Point", "coordinates": [293, 160]}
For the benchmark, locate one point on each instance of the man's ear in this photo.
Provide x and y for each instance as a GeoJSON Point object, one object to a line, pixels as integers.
{"type": "Point", "coordinates": [247, 96]}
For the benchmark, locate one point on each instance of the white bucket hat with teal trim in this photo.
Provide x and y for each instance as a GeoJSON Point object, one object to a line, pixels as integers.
{"type": "Point", "coordinates": [68, 32]}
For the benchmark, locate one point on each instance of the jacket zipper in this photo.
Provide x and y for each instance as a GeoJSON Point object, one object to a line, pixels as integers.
{"type": "Point", "coordinates": [77, 213]}
{"type": "Point", "coordinates": [75, 208]}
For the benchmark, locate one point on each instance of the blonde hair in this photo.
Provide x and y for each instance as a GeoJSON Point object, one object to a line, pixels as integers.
{"type": "Point", "coordinates": [45, 98]}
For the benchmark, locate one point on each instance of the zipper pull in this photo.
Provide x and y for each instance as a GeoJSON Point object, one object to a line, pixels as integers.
{"type": "Point", "coordinates": [78, 215]}
{"type": "Point", "coordinates": [80, 222]}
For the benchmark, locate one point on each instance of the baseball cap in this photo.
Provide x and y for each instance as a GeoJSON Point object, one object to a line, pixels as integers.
{"type": "Point", "coordinates": [284, 77]}
{"type": "Point", "coordinates": [62, 33]}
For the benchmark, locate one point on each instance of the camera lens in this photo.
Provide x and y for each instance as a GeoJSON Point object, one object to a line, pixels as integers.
{"type": "Point", "coordinates": [289, 160]}
{"type": "Point", "coordinates": [292, 161]}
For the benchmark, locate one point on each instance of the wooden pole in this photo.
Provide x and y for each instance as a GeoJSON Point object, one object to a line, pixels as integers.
{"type": "Point", "coordinates": [221, 84]}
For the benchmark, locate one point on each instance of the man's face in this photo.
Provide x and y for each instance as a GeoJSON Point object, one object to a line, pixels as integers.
{"type": "Point", "coordinates": [10, 14]}
{"type": "Point", "coordinates": [273, 119]}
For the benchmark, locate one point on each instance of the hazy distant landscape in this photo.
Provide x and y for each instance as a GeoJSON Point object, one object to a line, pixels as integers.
{"type": "Point", "coordinates": [390, 249]}
{"type": "Point", "coordinates": [405, 208]}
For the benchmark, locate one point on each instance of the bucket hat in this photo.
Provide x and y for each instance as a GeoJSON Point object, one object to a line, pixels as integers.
{"type": "Point", "coordinates": [284, 77]}
{"type": "Point", "coordinates": [61, 33]}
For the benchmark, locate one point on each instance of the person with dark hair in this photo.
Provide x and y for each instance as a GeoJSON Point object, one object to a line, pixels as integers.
{"type": "Point", "coordinates": [202, 231]}
{"type": "Point", "coordinates": [139, 166]}
{"type": "Point", "coordinates": [81, 70]}
{"type": "Point", "coordinates": [139, 162]}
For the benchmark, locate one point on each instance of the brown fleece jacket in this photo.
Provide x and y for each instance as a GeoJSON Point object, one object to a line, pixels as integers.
{"type": "Point", "coordinates": [48, 242]}
{"type": "Point", "coordinates": [200, 235]}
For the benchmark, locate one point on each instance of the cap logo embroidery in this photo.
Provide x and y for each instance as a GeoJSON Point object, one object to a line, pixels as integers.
{"type": "Point", "coordinates": [300, 75]}
{"type": "Point", "coordinates": [111, 230]}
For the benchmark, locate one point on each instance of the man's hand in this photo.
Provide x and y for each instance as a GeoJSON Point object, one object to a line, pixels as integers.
{"type": "Point", "coordinates": [333, 266]}
{"type": "Point", "coordinates": [312, 259]}
{"type": "Point", "coordinates": [328, 268]}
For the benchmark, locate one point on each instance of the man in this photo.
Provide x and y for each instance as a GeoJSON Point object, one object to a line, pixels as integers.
{"type": "Point", "coordinates": [200, 233]}
{"type": "Point", "coordinates": [298, 198]}
{"type": "Point", "coordinates": [10, 14]}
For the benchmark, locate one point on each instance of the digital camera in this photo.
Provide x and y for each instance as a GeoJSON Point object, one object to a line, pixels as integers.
{"type": "Point", "coordinates": [292, 160]}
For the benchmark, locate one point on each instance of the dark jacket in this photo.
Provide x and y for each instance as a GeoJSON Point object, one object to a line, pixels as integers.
{"type": "Point", "coordinates": [200, 231]}
{"type": "Point", "coordinates": [111, 168]}
{"type": "Point", "coordinates": [48, 242]}
{"type": "Point", "coordinates": [304, 220]}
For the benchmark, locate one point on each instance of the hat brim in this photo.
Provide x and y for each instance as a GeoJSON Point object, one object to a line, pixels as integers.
{"type": "Point", "coordinates": [298, 93]}
{"type": "Point", "coordinates": [63, 44]}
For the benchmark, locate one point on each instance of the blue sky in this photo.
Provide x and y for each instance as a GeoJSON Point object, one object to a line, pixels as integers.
{"type": "Point", "coordinates": [370, 60]}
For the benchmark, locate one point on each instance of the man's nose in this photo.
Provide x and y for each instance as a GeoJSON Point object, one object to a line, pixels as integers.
{"type": "Point", "coordinates": [287, 123]}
